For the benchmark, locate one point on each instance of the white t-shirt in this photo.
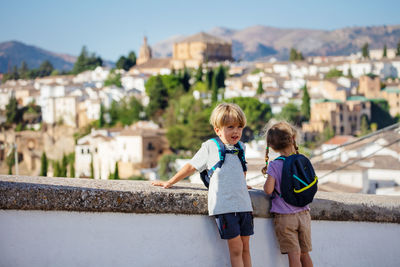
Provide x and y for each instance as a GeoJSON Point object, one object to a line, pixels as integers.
{"type": "Point", "coordinates": [228, 190]}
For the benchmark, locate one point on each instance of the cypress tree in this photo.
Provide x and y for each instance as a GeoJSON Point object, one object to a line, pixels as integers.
{"type": "Point", "coordinates": [214, 88]}
{"type": "Point", "coordinates": [398, 49]}
{"type": "Point", "coordinates": [209, 78]}
{"type": "Point", "coordinates": [220, 77]}
{"type": "Point", "coordinates": [116, 172]}
{"type": "Point", "coordinates": [101, 116]}
{"type": "Point", "coordinates": [384, 51]}
{"type": "Point", "coordinates": [365, 50]}
{"type": "Point", "coordinates": [64, 166]}
{"type": "Point", "coordinates": [44, 165]}
{"type": "Point", "coordinates": [92, 169]}
{"type": "Point", "coordinates": [305, 105]}
{"type": "Point", "coordinates": [199, 74]}
{"type": "Point", "coordinates": [260, 89]}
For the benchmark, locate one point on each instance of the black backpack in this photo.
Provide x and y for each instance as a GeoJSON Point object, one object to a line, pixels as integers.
{"type": "Point", "coordinates": [206, 174]}
{"type": "Point", "coordinates": [299, 182]}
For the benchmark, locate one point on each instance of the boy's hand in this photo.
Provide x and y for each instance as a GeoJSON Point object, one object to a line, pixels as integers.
{"type": "Point", "coordinates": [249, 187]}
{"type": "Point", "coordinates": [164, 184]}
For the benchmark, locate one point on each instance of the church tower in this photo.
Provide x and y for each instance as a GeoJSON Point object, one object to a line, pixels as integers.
{"type": "Point", "coordinates": [144, 53]}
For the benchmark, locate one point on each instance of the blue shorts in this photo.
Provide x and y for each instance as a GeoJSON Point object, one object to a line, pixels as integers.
{"type": "Point", "coordinates": [231, 225]}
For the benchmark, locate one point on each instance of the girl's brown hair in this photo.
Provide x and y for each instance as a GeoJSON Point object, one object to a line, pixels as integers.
{"type": "Point", "coordinates": [279, 136]}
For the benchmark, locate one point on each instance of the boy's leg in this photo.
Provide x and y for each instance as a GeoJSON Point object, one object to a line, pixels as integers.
{"type": "Point", "coordinates": [294, 259]}
{"type": "Point", "coordinates": [306, 260]}
{"type": "Point", "coordinates": [236, 251]}
{"type": "Point", "coordinates": [246, 251]}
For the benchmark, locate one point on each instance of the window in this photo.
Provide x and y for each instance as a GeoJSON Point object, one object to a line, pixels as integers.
{"type": "Point", "coordinates": [83, 151]}
{"type": "Point", "coordinates": [150, 147]}
{"type": "Point", "coordinates": [341, 129]}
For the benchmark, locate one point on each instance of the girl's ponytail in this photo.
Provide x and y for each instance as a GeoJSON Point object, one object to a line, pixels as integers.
{"type": "Point", "coordinates": [264, 170]}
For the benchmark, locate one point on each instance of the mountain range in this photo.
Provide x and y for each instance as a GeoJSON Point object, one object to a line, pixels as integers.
{"type": "Point", "coordinates": [261, 42]}
{"type": "Point", "coordinates": [252, 43]}
{"type": "Point", "coordinates": [12, 54]}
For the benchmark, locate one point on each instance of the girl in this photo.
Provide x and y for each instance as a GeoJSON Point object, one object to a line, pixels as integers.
{"type": "Point", "coordinates": [292, 224]}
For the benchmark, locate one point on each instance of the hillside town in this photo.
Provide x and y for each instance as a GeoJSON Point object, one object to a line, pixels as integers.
{"type": "Point", "coordinates": [346, 109]}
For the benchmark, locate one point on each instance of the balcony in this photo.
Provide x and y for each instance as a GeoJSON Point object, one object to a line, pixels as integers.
{"type": "Point", "coordinates": [85, 222]}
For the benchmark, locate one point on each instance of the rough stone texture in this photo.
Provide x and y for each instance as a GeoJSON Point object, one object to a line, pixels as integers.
{"type": "Point", "coordinates": [42, 193]}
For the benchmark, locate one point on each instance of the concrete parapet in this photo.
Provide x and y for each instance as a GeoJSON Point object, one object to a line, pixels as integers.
{"type": "Point", "coordinates": [68, 194]}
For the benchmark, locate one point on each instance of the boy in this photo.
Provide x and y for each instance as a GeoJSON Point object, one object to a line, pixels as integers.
{"type": "Point", "coordinates": [228, 197]}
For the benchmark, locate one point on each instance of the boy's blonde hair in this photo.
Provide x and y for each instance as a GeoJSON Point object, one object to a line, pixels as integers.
{"type": "Point", "coordinates": [227, 113]}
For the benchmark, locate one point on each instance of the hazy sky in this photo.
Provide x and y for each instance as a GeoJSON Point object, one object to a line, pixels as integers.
{"type": "Point", "coordinates": [113, 28]}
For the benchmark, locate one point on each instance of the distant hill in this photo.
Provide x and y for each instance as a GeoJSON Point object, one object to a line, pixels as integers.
{"type": "Point", "coordinates": [13, 53]}
{"type": "Point", "coordinates": [258, 42]}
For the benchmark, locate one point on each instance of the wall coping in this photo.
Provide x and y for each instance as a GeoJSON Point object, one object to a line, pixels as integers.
{"type": "Point", "coordinates": [89, 195]}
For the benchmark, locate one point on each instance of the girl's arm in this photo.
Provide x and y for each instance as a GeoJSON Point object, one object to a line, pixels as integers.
{"type": "Point", "coordinates": [269, 185]}
{"type": "Point", "coordinates": [186, 171]}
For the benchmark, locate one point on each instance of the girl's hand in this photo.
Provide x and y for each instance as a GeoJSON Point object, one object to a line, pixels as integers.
{"type": "Point", "coordinates": [249, 187]}
{"type": "Point", "coordinates": [164, 184]}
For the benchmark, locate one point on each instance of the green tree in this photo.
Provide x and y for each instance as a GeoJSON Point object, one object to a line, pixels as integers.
{"type": "Point", "coordinates": [129, 111]}
{"type": "Point", "coordinates": [166, 166]}
{"type": "Point", "coordinates": [214, 90]}
{"type": "Point", "coordinates": [23, 70]}
{"type": "Point", "coordinates": [92, 168]}
{"type": "Point", "coordinates": [86, 61]}
{"type": "Point", "coordinates": [64, 166]}
{"type": "Point", "coordinates": [327, 133]}
{"type": "Point", "coordinates": [113, 78]}
{"type": "Point", "coordinates": [115, 176]}
{"type": "Point", "coordinates": [291, 113]}
{"type": "Point", "coordinates": [10, 160]}
{"type": "Point", "coordinates": [199, 74]}
{"type": "Point", "coordinates": [56, 169]}
{"type": "Point", "coordinates": [71, 160]}
{"type": "Point", "coordinates": [121, 63]}
{"type": "Point", "coordinates": [384, 51]}
{"type": "Point", "coordinates": [260, 89]}
{"type": "Point", "coordinates": [220, 77]}
{"type": "Point", "coordinates": [185, 80]}
{"type": "Point", "coordinates": [43, 165]}
{"type": "Point", "coordinates": [350, 73]}
{"type": "Point", "coordinates": [198, 128]}
{"type": "Point", "coordinates": [365, 50]}
{"type": "Point", "coordinates": [132, 58]}
{"type": "Point", "coordinates": [295, 55]}
{"type": "Point", "coordinates": [334, 73]}
{"type": "Point", "coordinates": [398, 49]}
{"type": "Point", "coordinates": [12, 112]}
{"type": "Point", "coordinates": [101, 116]}
{"type": "Point", "coordinates": [257, 113]}
{"type": "Point", "coordinates": [209, 78]}
{"type": "Point", "coordinates": [72, 170]}
{"type": "Point", "coordinates": [158, 95]}
{"type": "Point", "coordinates": [45, 69]}
{"type": "Point", "coordinates": [364, 127]}
{"type": "Point", "coordinates": [305, 104]}
{"type": "Point", "coordinates": [126, 63]}
{"type": "Point", "coordinates": [176, 135]}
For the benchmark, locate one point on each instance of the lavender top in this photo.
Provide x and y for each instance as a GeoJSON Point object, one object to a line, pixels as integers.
{"type": "Point", "coordinates": [278, 204]}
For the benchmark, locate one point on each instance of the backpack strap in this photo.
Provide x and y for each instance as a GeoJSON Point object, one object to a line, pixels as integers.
{"type": "Point", "coordinates": [221, 154]}
{"type": "Point", "coordinates": [283, 158]}
{"type": "Point", "coordinates": [206, 174]}
{"type": "Point", "coordinates": [241, 155]}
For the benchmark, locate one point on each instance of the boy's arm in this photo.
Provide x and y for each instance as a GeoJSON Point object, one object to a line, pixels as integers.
{"type": "Point", "coordinates": [186, 171]}
{"type": "Point", "coordinates": [269, 185]}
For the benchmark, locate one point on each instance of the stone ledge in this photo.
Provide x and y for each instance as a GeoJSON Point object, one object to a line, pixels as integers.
{"type": "Point", "coordinates": [43, 193]}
